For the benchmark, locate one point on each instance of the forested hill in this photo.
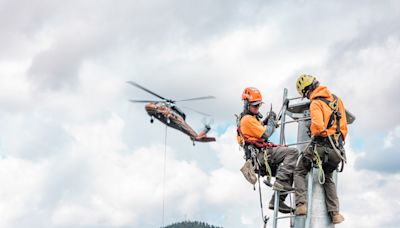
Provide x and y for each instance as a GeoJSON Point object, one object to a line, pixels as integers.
{"type": "Point", "coordinates": [188, 224]}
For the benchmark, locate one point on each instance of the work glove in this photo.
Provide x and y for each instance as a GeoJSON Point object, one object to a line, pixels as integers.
{"type": "Point", "coordinates": [271, 115]}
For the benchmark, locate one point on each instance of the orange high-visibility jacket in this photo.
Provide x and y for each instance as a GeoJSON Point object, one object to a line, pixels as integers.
{"type": "Point", "coordinates": [251, 128]}
{"type": "Point", "coordinates": [320, 113]}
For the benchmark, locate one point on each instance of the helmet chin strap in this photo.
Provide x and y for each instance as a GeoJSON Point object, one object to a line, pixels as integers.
{"type": "Point", "coordinates": [246, 105]}
{"type": "Point", "coordinates": [311, 88]}
{"type": "Point", "coordinates": [246, 108]}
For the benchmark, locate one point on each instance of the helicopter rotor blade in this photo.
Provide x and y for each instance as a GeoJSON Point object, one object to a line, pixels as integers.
{"type": "Point", "coordinates": [197, 98]}
{"type": "Point", "coordinates": [142, 101]}
{"type": "Point", "coordinates": [147, 90]}
{"type": "Point", "coordinates": [194, 110]}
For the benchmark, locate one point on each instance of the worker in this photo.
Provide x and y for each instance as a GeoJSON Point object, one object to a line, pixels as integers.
{"type": "Point", "coordinates": [253, 133]}
{"type": "Point", "coordinates": [328, 129]}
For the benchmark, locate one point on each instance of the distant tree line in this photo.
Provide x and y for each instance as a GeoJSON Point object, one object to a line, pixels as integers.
{"type": "Point", "coordinates": [190, 224]}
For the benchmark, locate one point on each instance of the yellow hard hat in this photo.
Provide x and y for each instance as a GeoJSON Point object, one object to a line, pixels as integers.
{"type": "Point", "coordinates": [303, 81]}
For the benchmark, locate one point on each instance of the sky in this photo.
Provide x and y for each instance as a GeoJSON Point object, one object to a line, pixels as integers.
{"type": "Point", "coordinates": [75, 153]}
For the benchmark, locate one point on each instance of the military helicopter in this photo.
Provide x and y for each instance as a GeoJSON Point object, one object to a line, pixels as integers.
{"type": "Point", "coordinates": [168, 113]}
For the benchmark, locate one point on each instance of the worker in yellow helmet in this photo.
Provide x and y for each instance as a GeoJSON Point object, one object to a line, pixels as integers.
{"type": "Point", "coordinates": [328, 130]}
{"type": "Point", "coordinates": [253, 135]}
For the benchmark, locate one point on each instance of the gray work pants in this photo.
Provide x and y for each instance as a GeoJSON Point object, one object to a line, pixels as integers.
{"type": "Point", "coordinates": [283, 161]}
{"type": "Point", "coordinates": [330, 162]}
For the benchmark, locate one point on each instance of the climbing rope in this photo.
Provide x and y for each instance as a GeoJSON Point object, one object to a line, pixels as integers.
{"type": "Point", "coordinates": [321, 174]}
{"type": "Point", "coordinates": [267, 167]}
{"type": "Point", "coordinates": [164, 175]}
{"type": "Point", "coordinates": [264, 218]}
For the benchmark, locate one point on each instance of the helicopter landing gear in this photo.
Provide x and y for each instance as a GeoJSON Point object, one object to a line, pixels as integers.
{"type": "Point", "coordinates": [151, 120]}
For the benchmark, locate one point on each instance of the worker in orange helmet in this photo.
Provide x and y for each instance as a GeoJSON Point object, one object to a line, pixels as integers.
{"type": "Point", "coordinates": [253, 132]}
{"type": "Point", "coordinates": [328, 130]}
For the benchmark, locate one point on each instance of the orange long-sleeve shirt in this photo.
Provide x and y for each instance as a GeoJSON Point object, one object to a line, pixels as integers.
{"type": "Point", "coordinates": [320, 113]}
{"type": "Point", "coordinates": [251, 128]}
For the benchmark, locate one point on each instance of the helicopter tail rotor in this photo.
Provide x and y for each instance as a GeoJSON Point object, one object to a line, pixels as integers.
{"type": "Point", "coordinates": [207, 122]}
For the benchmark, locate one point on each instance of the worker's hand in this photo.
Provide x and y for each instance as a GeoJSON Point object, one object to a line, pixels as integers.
{"type": "Point", "coordinates": [271, 115]}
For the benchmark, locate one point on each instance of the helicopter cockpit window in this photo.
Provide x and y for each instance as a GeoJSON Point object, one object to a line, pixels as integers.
{"type": "Point", "coordinates": [179, 112]}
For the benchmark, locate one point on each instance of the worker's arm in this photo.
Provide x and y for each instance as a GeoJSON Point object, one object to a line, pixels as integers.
{"type": "Point", "coordinates": [317, 119]}
{"type": "Point", "coordinates": [343, 120]}
{"type": "Point", "coordinates": [251, 127]}
{"type": "Point", "coordinates": [269, 129]}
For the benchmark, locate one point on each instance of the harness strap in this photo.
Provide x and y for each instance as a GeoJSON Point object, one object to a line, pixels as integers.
{"type": "Point", "coordinates": [254, 152]}
{"type": "Point", "coordinates": [259, 143]}
{"type": "Point", "coordinates": [336, 115]}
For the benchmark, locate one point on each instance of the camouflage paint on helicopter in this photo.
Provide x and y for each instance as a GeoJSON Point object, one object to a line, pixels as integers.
{"type": "Point", "coordinates": [168, 113]}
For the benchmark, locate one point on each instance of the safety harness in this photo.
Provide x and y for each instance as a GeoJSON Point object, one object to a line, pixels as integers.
{"type": "Point", "coordinates": [337, 143]}
{"type": "Point", "coordinates": [335, 116]}
{"type": "Point", "coordinates": [257, 146]}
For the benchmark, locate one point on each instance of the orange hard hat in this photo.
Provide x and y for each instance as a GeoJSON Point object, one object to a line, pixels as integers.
{"type": "Point", "coordinates": [252, 95]}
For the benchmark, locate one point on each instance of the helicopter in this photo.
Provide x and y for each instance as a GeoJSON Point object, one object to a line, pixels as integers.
{"type": "Point", "coordinates": [166, 111]}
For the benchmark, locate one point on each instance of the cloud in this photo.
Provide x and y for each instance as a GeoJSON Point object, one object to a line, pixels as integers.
{"type": "Point", "coordinates": [22, 180]}
{"type": "Point", "coordinates": [370, 202]}
{"type": "Point", "coordinates": [383, 157]}
{"type": "Point", "coordinates": [98, 182]}
{"type": "Point", "coordinates": [76, 152]}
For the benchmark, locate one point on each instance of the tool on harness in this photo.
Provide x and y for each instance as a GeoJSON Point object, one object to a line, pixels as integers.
{"type": "Point", "coordinates": [249, 173]}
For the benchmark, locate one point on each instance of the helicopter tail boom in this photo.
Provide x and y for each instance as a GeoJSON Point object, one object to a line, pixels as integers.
{"type": "Point", "coordinates": [202, 135]}
{"type": "Point", "coordinates": [205, 139]}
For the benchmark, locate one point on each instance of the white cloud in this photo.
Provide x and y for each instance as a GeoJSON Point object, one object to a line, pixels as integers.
{"type": "Point", "coordinates": [22, 184]}
{"type": "Point", "coordinates": [122, 188]}
{"type": "Point", "coordinates": [366, 197]}
{"type": "Point", "coordinates": [391, 136]}
{"type": "Point", "coordinates": [78, 154]}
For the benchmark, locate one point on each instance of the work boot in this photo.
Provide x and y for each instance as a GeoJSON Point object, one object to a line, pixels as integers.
{"type": "Point", "coordinates": [282, 186]}
{"type": "Point", "coordinates": [336, 217]}
{"type": "Point", "coordinates": [283, 208]}
{"type": "Point", "coordinates": [301, 209]}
